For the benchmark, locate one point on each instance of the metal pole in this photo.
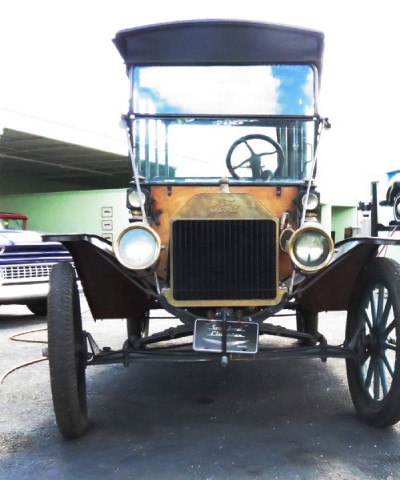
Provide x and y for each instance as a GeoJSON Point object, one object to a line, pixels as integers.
{"type": "Point", "coordinates": [374, 210]}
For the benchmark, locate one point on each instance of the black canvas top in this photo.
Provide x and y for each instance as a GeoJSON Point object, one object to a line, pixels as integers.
{"type": "Point", "coordinates": [211, 42]}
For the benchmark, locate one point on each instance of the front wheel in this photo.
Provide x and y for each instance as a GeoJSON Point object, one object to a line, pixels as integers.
{"type": "Point", "coordinates": [374, 320]}
{"type": "Point", "coordinates": [67, 352]}
{"type": "Point", "coordinates": [38, 307]}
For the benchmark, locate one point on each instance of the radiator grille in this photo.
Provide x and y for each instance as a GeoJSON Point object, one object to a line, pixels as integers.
{"type": "Point", "coordinates": [224, 259]}
{"type": "Point", "coordinates": [27, 273]}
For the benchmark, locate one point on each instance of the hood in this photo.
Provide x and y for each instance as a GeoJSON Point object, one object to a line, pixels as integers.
{"type": "Point", "coordinates": [18, 237]}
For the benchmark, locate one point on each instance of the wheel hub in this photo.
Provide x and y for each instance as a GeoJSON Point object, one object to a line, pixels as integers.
{"type": "Point", "coordinates": [375, 342]}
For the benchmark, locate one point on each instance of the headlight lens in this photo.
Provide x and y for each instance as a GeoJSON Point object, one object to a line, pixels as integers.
{"type": "Point", "coordinates": [310, 248]}
{"type": "Point", "coordinates": [136, 199]}
{"type": "Point", "coordinates": [138, 247]}
{"type": "Point", "coordinates": [312, 203]}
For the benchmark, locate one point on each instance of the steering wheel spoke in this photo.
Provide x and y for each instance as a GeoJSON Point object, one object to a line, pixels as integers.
{"type": "Point", "coordinates": [245, 163]}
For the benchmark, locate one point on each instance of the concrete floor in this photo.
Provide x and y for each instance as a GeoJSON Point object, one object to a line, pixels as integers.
{"type": "Point", "coordinates": [252, 420]}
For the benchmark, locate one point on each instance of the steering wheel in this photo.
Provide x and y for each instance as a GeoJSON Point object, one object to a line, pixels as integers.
{"type": "Point", "coordinates": [254, 161]}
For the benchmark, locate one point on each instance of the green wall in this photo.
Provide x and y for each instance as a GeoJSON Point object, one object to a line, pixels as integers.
{"type": "Point", "coordinates": [343, 217]}
{"type": "Point", "coordinates": [71, 212]}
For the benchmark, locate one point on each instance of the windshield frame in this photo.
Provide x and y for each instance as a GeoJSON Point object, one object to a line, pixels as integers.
{"type": "Point", "coordinates": [265, 121]}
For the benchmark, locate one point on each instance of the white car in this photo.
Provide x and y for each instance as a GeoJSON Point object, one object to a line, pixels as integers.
{"type": "Point", "coordinates": [25, 264]}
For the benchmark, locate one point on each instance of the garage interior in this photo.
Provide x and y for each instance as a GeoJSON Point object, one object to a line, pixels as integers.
{"type": "Point", "coordinates": [31, 163]}
{"type": "Point", "coordinates": [62, 186]}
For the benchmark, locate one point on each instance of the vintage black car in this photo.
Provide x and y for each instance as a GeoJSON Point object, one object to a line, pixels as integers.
{"type": "Point", "coordinates": [222, 128]}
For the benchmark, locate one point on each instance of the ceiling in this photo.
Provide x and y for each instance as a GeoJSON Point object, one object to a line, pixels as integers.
{"type": "Point", "coordinates": [43, 163]}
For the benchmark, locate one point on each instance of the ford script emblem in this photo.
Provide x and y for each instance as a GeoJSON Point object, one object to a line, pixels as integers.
{"type": "Point", "coordinates": [225, 206]}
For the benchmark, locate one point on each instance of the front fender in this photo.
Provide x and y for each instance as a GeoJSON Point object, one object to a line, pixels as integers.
{"type": "Point", "coordinates": [331, 288]}
{"type": "Point", "coordinates": [111, 290]}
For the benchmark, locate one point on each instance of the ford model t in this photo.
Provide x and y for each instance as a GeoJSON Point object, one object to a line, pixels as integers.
{"type": "Point", "coordinates": [224, 231]}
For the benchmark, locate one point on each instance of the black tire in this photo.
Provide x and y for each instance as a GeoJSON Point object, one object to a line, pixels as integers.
{"type": "Point", "coordinates": [307, 322]}
{"type": "Point", "coordinates": [38, 307]}
{"type": "Point", "coordinates": [374, 312]}
{"type": "Point", "coordinates": [67, 352]}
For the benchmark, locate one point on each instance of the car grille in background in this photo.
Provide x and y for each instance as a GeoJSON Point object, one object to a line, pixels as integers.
{"type": "Point", "coordinates": [28, 273]}
{"type": "Point", "coordinates": [224, 259]}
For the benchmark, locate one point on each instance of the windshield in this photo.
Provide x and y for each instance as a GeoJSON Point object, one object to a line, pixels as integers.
{"type": "Point", "coordinates": [225, 90]}
{"type": "Point", "coordinates": [249, 123]}
{"type": "Point", "coordinates": [11, 223]}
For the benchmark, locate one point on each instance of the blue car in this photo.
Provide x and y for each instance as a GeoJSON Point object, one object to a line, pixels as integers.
{"type": "Point", "coordinates": [25, 264]}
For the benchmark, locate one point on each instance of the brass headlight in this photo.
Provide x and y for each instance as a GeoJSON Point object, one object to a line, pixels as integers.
{"type": "Point", "coordinates": [310, 248]}
{"type": "Point", "coordinates": [138, 246]}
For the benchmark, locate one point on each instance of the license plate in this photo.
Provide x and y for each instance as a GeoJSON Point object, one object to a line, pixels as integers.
{"type": "Point", "coordinates": [241, 337]}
